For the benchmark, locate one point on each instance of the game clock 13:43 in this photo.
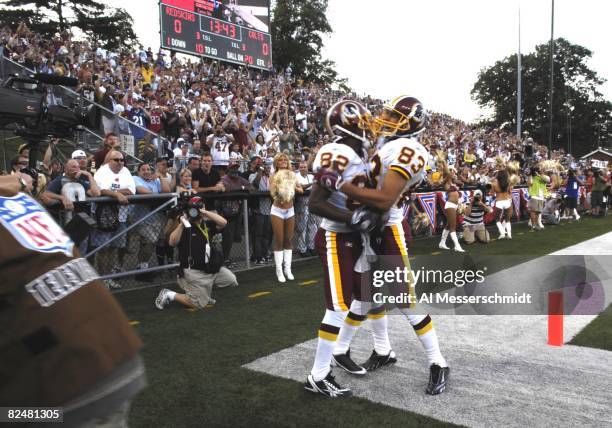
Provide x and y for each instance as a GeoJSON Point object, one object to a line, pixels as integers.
{"type": "Point", "coordinates": [228, 32]}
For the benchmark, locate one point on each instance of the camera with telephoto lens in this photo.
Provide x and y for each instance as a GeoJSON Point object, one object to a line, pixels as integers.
{"type": "Point", "coordinates": [187, 204]}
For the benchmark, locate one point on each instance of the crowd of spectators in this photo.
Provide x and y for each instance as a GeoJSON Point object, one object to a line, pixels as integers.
{"type": "Point", "coordinates": [202, 126]}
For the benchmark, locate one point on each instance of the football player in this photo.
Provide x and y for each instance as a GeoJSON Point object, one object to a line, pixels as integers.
{"type": "Point", "coordinates": [396, 167]}
{"type": "Point", "coordinates": [338, 240]}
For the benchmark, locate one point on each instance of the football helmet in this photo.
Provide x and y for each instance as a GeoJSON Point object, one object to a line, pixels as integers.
{"type": "Point", "coordinates": [403, 116]}
{"type": "Point", "coordinates": [350, 118]}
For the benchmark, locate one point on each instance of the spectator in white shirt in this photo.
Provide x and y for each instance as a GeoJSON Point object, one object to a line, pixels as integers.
{"type": "Point", "coordinates": [114, 180]}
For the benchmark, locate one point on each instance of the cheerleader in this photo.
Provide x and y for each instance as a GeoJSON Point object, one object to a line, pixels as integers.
{"type": "Point", "coordinates": [450, 183]}
{"type": "Point", "coordinates": [503, 203]}
{"type": "Point", "coordinates": [283, 185]}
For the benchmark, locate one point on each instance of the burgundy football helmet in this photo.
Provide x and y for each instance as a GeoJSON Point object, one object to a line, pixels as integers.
{"type": "Point", "coordinates": [403, 116]}
{"type": "Point", "coordinates": [350, 118]}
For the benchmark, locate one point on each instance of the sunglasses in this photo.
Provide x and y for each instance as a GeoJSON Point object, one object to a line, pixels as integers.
{"type": "Point", "coordinates": [118, 160]}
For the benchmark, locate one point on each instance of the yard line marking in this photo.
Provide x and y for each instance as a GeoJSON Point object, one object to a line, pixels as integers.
{"type": "Point", "coordinates": [436, 253]}
{"type": "Point", "coordinates": [260, 294]}
{"type": "Point", "coordinates": [134, 322]}
{"type": "Point", "coordinates": [311, 282]}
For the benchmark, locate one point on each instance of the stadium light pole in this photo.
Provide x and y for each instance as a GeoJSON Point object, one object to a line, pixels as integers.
{"type": "Point", "coordinates": [518, 80]}
{"type": "Point", "coordinates": [552, 51]}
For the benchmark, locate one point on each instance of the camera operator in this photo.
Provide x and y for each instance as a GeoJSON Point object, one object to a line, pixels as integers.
{"type": "Point", "coordinates": [537, 194]}
{"type": "Point", "coordinates": [473, 226]}
{"type": "Point", "coordinates": [200, 257]}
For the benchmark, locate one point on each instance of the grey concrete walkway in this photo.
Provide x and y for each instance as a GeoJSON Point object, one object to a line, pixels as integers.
{"type": "Point", "coordinates": [502, 371]}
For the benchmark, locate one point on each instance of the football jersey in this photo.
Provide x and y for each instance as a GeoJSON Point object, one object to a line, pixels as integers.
{"type": "Point", "coordinates": [407, 157]}
{"type": "Point", "coordinates": [219, 150]}
{"type": "Point", "coordinates": [351, 167]}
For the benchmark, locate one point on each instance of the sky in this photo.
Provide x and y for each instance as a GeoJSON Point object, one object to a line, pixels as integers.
{"type": "Point", "coordinates": [434, 49]}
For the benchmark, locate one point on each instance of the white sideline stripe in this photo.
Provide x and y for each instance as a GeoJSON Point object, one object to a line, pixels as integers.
{"type": "Point", "coordinates": [502, 371]}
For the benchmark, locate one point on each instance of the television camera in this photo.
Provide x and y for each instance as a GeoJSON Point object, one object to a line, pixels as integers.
{"type": "Point", "coordinates": [24, 108]}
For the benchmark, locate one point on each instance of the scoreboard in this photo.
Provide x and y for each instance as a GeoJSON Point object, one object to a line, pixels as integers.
{"type": "Point", "coordinates": [229, 30]}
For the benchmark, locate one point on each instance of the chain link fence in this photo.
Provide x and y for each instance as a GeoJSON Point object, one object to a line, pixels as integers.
{"type": "Point", "coordinates": [128, 244]}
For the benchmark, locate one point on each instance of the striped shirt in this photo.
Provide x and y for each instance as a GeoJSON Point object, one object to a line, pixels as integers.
{"type": "Point", "coordinates": [476, 215]}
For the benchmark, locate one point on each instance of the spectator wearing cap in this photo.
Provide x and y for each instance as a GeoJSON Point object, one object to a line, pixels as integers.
{"type": "Point", "coordinates": [473, 226]}
{"type": "Point", "coordinates": [231, 209]}
{"type": "Point", "coordinates": [263, 228]}
{"type": "Point", "coordinates": [181, 155]}
{"type": "Point", "coordinates": [81, 157]}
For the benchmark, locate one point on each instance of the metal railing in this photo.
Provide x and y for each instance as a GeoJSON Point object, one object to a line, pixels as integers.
{"type": "Point", "coordinates": [105, 119]}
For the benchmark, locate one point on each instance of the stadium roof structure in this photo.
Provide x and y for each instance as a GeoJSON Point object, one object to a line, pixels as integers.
{"type": "Point", "coordinates": [599, 150]}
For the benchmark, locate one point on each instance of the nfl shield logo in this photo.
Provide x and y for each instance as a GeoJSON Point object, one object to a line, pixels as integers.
{"type": "Point", "coordinates": [32, 226]}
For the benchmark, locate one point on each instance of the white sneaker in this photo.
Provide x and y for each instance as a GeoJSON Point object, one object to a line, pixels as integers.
{"type": "Point", "coordinates": [443, 246]}
{"type": "Point", "coordinates": [577, 217]}
{"type": "Point", "coordinates": [458, 249]}
{"type": "Point", "coordinates": [112, 285]}
{"type": "Point", "coordinates": [500, 237]}
{"type": "Point", "coordinates": [162, 299]}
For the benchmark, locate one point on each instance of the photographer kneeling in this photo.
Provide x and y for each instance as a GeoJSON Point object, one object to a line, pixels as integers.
{"type": "Point", "coordinates": [200, 255]}
{"type": "Point", "coordinates": [473, 226]}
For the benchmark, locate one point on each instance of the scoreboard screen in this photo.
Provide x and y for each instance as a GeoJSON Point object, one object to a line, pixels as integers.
{"type": "Point", "coordinates": [237, 31]}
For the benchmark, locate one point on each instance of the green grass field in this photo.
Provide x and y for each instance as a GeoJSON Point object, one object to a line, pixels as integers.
{"type": "Point", "coordinates": [194, 358]}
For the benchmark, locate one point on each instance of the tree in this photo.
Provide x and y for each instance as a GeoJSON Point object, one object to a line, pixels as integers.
{"type": "Point", "coordinates": [112, 27]}
{"type": "Point", "coordinates": [297, 29]}
{"type": "Point", "coordinates": [580, 112]}
{"type": "Point", "coordinates": [114, 31]}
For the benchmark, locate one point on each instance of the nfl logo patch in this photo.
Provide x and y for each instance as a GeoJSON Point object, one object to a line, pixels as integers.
{"type": "Point", "coordinates": [32, 226]}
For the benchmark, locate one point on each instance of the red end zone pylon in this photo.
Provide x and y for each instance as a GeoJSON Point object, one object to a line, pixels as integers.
{"type": "Point", "coordinates": [555, 318]}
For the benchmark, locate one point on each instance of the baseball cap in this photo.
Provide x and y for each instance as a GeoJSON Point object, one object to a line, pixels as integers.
{"type": "Point", "coordinates": [78, 154]}
{"type": "Point", "coordinates": [255, 157]}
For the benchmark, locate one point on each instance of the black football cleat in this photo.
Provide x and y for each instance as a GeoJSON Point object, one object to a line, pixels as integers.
{"type": "Point", "coordinates": [438, 378]}
{"type": "Point", "coordinates": [377, 361]}
{"type": "Point", "coordinates": [327, 387]}
{"type": "Point", "coordinates": [345, 362]}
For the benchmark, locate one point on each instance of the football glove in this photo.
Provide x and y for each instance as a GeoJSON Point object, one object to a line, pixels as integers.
{"type": "Point", "coordinates": [366, 220]}
{"type": "Point", "coordinates": [329, 179]}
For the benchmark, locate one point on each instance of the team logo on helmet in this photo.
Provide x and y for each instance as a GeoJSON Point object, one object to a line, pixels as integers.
{"type": "Point", "coordinates": [350, 118]}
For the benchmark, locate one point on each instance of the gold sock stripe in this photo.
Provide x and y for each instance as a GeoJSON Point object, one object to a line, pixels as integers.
{"type": "Point", "coordinates": [328, 336]}
{"type": "Point", "coordinates": [422, 330]}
